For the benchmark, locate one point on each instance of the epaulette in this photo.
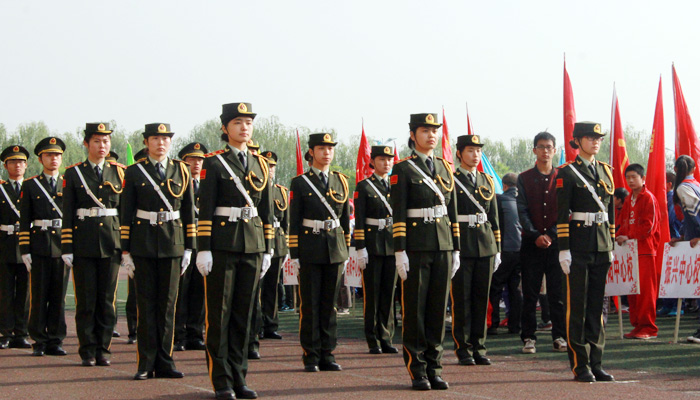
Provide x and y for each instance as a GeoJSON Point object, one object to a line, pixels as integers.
{"type": "Point", "coordinates": [281, 187]}
{"type": "Point", "coordinates": [213, 153]}
{"type": "Point", "coordinates": [120, 165]}
{"type": "Point", "coordinates": [2, 182]}
{"type": "Point", "coordinates": [606, 164]}
{"type": "Point", "coordinates": [340, 173]}
{"type": "Point", "coordinates": [141, 159]}
{"type": "Point", "coordinates": [30, 178]}
{"type": "Point", "coordinates": [407, 158]}
{"type": "Point", "coordinates": [74, 165]}
{"type": "Point", "coordinates": [565, 164]}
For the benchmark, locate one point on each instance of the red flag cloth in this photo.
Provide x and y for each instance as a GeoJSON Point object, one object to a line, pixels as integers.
{"type": "Point", "coordinates": [686, 139]}
{"type": "Point", "coordinates": [656, 177]}
{"type": "Point", "coordinates": [569, 117]}
{"type": "Point", "coordinates": [300, 159]}
{"type": "Point", "coordinates": [618, 150]}
{"type": "Point", "coordinates": [362, 168]}
{"type": "Point", "coordinates": [446, 146]}
{"type": "Point", "coordinates": [396, 154]}
{"type": "Point", "coordinates": [470, 131]}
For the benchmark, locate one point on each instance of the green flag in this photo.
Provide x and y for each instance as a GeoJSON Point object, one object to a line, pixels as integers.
{"type": "Point", "coordinates": [129, 154]}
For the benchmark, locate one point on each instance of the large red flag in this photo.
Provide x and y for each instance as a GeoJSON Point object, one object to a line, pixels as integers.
{"type": "Point", "coordinates": [686, 139]}
{"type": "Point", "coordinates": [618, 150]}
{"type": "Point", "coordinates": [656, 176]}
{"type": "Point", "coordinates": [362, 168]}
{"type": "Point", "coordinates": [300, 159]}
{"type": "Point", "coordinates": [569, 117]}
{"type": "Point", "coordinates": [446, 146]}
{"type": "Point", "coordinates": [470, 131]}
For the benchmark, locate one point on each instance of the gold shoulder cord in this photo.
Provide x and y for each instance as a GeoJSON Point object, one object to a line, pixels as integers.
{"type": "Point", "coordinates": [266, 173]}
{"type": "Point", "coordinates": [608, 189]}
{"type": "Point", "coordinates": [185, 180]}
{"type": "Point", "coordinates": [493, 188]}
{"type": "Point", "coordinates": [120, 174]}
{"type": "Point", "coordinates": [345, 188]}
{"type": "Point", "coordinates": [452, 177]}
{"type": "Point", "coordinates": [284, 198]}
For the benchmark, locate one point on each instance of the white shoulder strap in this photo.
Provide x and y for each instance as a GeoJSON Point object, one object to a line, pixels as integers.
{"type": "Point", "coordinates": [156, 187]}
{"type": "Point", "coordinates": [429, 181]}
{"type": "Point", "coordinates": [48, 196]}
{"type": "Point", "coordinates": [237, 180]}
{"type": "Point", "coordinates": [589, 187]}
{"type": "Point", "coordinates": [471, 197]}
{"type": "Point", "coordinates": [320, 196]}
{"type": "Point", "coordinates": [381, 197]}
{"type": "Point", "coordinates": [87, 189]}
{"type": "Point", "coordinates": [9, 201]}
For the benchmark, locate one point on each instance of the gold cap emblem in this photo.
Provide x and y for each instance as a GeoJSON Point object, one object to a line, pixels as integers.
{"type": "Point", "coordinates": [327, 138]}
{"type": "Point", "coordinates": [15, 149]}
{"type": "Point", "coordinates": [387, 150]}
{"type": "Point", "coordinates": [162, 129]}
{"type": "Point", "coordinates": [596, 128]}
{"type": "Point", "coordinates": [197, 146]}
{"type": "Point", "coordinates": [242, 108]}
{"type": "Point", "coordinates": [475, 139]}
{"type": "Point", "coordinates": [430, 119]}
{"type": "Point", "coordinates": [101, 127]}
{"type": "Point", "coordinates": [268, 154]}
{"type": "Point", "coordinates": [250, 142]}
{"type": "Point", "coordinates": [52, 141]}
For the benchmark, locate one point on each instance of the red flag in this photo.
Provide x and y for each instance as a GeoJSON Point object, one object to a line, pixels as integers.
{"type": "Point", "coordinates": [300, 159]}
{"type": "Point", "coordinates": [656, 176]}
{"type": "Point", "coordinates": [446, 147]}
{"type": "Point", "coordinates": [569, 117]}
{"type": "Point", "coordinates": [618, 150]}
{"type": "Point", "coordinates": [396, 154]}
{"type": "Point", "coordinates": [362, 168]}
{"type": "Point", "coordinates": [686, 139]}
{"type": "Point", "coordinates": [470, 131]}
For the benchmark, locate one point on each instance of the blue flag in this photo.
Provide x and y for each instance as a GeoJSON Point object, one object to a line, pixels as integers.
{"type": "Point", "coordinates": [488, 168]}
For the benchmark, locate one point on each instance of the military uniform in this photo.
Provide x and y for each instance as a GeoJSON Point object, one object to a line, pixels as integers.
{"type": "Point", "coordinates": [320, 242]}
{"type": "Point", "coordinates": [14, 278]}
{"type": "Point", "coordinates": [48, 276]}
{"type": "Point", "coordinates": [426, 229]}
{"type": "Point", "coordinates": [588, 233]}
{"type": "Point", "coordinates": [91, 196]}
{"type": "Point", "coordinates": [157, 238]}
{"type": "Point", "coordinates": [374, 232]}
{"type": "Point", "coordinates": [233, 234]}
{"type": "Point", "coordinates": [480, 241]}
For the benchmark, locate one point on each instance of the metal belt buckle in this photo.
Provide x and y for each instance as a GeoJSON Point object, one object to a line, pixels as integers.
{"type": "Point", "coordinates": [328, 224]}
{"type": "Point", "coordinates": [381, 224]}
{"type": "Point", "coordinates": [439, 212]}
{"type": "Point", "coordinates": [246, 212]}
{"type": "Point", "coordinates": [480, 218]}
{"type": "Point", "coordinates": [56, 223]}
{"type": "Point", "coordinates": [599, 217]}
{"type": "Point", "coordinates": [162, 216]}
{"type": "Point", "coordinates": [16, 228]}
{"type": "Point", "coordinates": [472, 221]}
{"type": "Point", "coordinates": [389, 221]}
{"type": "Point", "coordinates": [94, 212]}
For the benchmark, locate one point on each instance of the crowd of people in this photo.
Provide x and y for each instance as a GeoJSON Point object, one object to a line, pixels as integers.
{"type": "Point", "coordinates": [203, 239]}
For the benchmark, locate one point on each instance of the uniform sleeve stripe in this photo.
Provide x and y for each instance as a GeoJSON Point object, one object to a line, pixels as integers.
{"type": "Point", "coordinates": [203, 222]}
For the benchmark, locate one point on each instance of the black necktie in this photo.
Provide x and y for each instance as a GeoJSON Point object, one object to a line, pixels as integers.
{"type": "Point", "coordinates": [386, 186]}
{"type": "Point", "coordinates": [98, 172]}
{"type": "Point", "coordinates": [17, 187]}
{"type": "Point", "coordinates": [592, 169]}
{"type": "Point", "coordinates": [159, 170]}
{"type": "Point", "coordinates": [324, 180]}
{"type": "Point", "coordinates": [429, 164]}
{"type": "Point", "coordinates": [52, 184]}
{"type": "Point", "coordinates": [471, 178]}
{"type": "Point", "coordinates": [195, 184]}
{"type": "Point", "coordinates": [241, 157]}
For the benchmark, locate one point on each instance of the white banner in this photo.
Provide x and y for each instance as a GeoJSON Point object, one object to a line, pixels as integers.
{"type": "Point", "coordinates": [353, 275]}
{"type": "Point", "coordinates": [679, 272]}
{"type": "Point", "coordinates": [289, 276]}
{"type": "Point", "coordinates": [623, 275]}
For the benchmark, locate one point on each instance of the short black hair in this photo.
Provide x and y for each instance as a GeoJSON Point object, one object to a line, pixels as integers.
{"type": "Point", "coordinates": [670, 177]}
{"type": "Point", "coordinates": [544, 136]}
{"type": "Point", "coordinates": [510, 179]}
{"type": "Point", "coordinates": [621, 193]}
{"type": "Point", "coordinates": [635, 168]}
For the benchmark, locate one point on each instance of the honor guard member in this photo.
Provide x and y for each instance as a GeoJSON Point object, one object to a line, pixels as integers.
{"type": "Point", "coordinates": [253, 146]}
{"type": "Point", "coordinates": [586, 232]}
{"type": "Point", "coordinates": [319, 238]}
{"type": "Point", "coordinates": [374, 241]}
{"type": "Point", "coordinates": [14, 278]}
{"type": "Point", "coordinates": [189, 315]}
{"type": "Point", "coordinates": [480, 246]}
{"type": "Point", "coordinates": [112, 158]}
{"type": "Point", "coordinates": [91, 193]}
{"type": "Point", "coordinates": [426, 247]}
{"type": "Point", "coordinates": [40, 244]}
{"type": "Point", "coordinates": [235, 242]}
{"type": "Point", "coordinates": [158, 236]}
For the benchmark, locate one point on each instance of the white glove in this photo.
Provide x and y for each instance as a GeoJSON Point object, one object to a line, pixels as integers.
{"type": "Point", "coordinates": [267, 261]}
{"type": "Point", "coordinates": [612, 256]}
{"type": "Point", "coordinates": [455, 263]}
{"type": "Point", "coordinates": [565, 261]}
{"type": "Point", "coordinates": [345, 266]}
{"type": "Point", "coordinates": [204, 262]}
{"type": "Point", "coordinates": [128, 264]}
{"type": "Point", "coordinates": [402, 264]}
{"type": "Point", "coordinates": [362, 258]}
{"type": "Point", "coordinates": [496, 261]}
{"type": "Point", "coordinates": [27, 260]}
{"type": "Point", "coordinates": [68, 260]}
{"type": "Point", "coordinates": [296, 266]}
{"type": "Point", "coordinates": [186, 258]}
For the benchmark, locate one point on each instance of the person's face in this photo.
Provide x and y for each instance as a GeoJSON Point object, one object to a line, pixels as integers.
{"type": "Point", "coordinates": [273, 168]}
{"type": "Point", "coordinates": [425, 137]}
{"type": "Point", "coordinates": [617, 201]}
{"type": "Point", "coordinates": [669, 186]}
{"type": "Point", "coordinates": [16, 167]}
{"type": "Point", "coordinates": [98, 146]}
{"type": "Point", "coordinates": [634, 180]}
{"type": "Point", "coordinates": [195, 164]}
{"type": "Point", "coordinates": [590, 144]}
{"type": "Point", "coordinates": [544, 151]}
{"type": "Point", "coordinates": [51, 161]}
{"type": "Point", "coordinates": [470, 156]}
{"type": "Point", "coordinates": [239, 130]}
{"type": "Point", "coordinates": [383, 164]}
{"type": "Point", "coordinates": [323, 154]}
{"type": "Point", "coordinates": [158, 146]}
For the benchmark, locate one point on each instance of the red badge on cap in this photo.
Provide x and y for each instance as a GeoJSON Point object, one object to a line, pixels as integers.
{"type": "Point", "coordinates": [394, 179]}
{"type": "Point", "coordinates": [560, 183]}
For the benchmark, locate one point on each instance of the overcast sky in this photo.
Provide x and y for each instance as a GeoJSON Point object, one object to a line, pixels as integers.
{"type": "Point", "coordinates": [329, 64]}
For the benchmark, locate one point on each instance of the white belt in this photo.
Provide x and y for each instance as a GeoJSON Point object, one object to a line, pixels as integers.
{"type": "Point", "coordinates": [590, 218]}
{"type": "Point", "coordinates": [428, 214]}
{"type": "Point", "coordinates": [472, 219]}
{"type": "Point", "coordinates": [96, 212]}
{"type": "Point", "coordinates": [48, 223]}
{"type": "Point", "coordinates": [10, 229]}
{"type": "Point", "coordinates": [380, 223]}
{"type": "Point", "coordinates": [236, 213]}
{"type": "Point", "coordinates": [154, 217]}
{"type": "Point", "coordinates": [317, 225]}
{"type": "Point", "coordinates": [276, 224]}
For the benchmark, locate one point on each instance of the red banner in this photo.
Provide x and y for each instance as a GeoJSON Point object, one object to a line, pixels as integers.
{"type": "Point", "coordinates": [686, 139]}
{"type": "Point", "coordinates": [569, 117]}
{"type": "Point", "coordinates": [618, 150]}
{"type": "Point", "coordinates": [300, 159]}
{"type": "Point", "coordinates": [362, 168]}
{"type": "Point", "coordinates": [446, 146]}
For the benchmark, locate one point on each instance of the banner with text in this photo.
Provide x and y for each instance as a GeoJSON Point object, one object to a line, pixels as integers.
{"type": "Point", "coordinates": [353, 274]}
{"type": "Point", "coordinates": [623, 275]}
{"type": "Point", "coordinates": [289, 276]}
{"type": "Point", "coordinates": [680, 270]}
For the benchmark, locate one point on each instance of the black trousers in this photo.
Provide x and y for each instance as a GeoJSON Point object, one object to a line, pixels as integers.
{"type": "Point", "coordinates": [585, 289]}
{"type": "Point", "coordinates": [508, 273]}
{"type": "Point", "coordinates": [318, 291]}
{"type": "Point", "coordinates": [48, 282]}
{"type": "Point", "coordinates": [156, 281]}
{"type": "Point", "coordinates": [131, 309]}
{"type": "Point", "coordinates": [423, 306]}
{"type": "Point", "coordinates": [470, 302]}
{"type": "Point", "coordinates": [229, 290]}
{"type": "Point", "coordinates": [189, 315]}
{"type": "Point", "coordinates": [14, 301]}
{"type": "Point", "coordinates": [537, 263]}
{"type": "Point", "coordinates": [378, 283]}
{"type": "Point", "coordinates": [269, 296]}
{"type": "Point", "coordinates": [95, 284]}
{"type": "Point", "coordinates": [255, 323]}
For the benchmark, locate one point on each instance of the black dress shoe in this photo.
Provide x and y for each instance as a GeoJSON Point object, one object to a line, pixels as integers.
{"type": "Point", "coordinates": [421, 383]}
{"type": "Point", "coordinates": [244, 392]}
{"type": "Point", "coordinates": [179, 347]}
{"type": "Point", "coordinates": [196, 345]}
{"type": "Point", "coordinates": [55, 351]}
{"type": "Point", "coordinates": [389, 349]}
{"type": "Point", "coordinates": [601, 375]}
{"type": "Point", "coordinates": [586, 377]}
{"type": "Point", "coordinates": [375, 350]}
{"type": "Point", "coordinates": [331, 366]}
{"type": "Point", "coordinates": [132, 340]}
{"type": "Point", "coordinates": [20, 343]}
{"type": "Point", "coordinates": [116, 334]}
{"type": "Point", "coordinates": [225, 394]}
{"type": "Point", "coordinates": [39, 350]}
{"type": "Point", "coordinates": [437, 383]}
{"type": "Point", "coordinates": [481, 360]}
{"type": "Point", "coordinates": [88, 362]}
{"type": "Point", "coordinates": [271, 335]}
{"type": "Point", "coordinates": [467, 361]}
{"type": "Point", "coordinates": [311, 368]}
{"type": "Point", "coordinates": [170, 373]}
{"type": "Point", "coordinates": [253, 355]}
{"type": "Point", "coordinates": [143, 375]}
{"type": "Point", "coordinates": [103, 362]}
